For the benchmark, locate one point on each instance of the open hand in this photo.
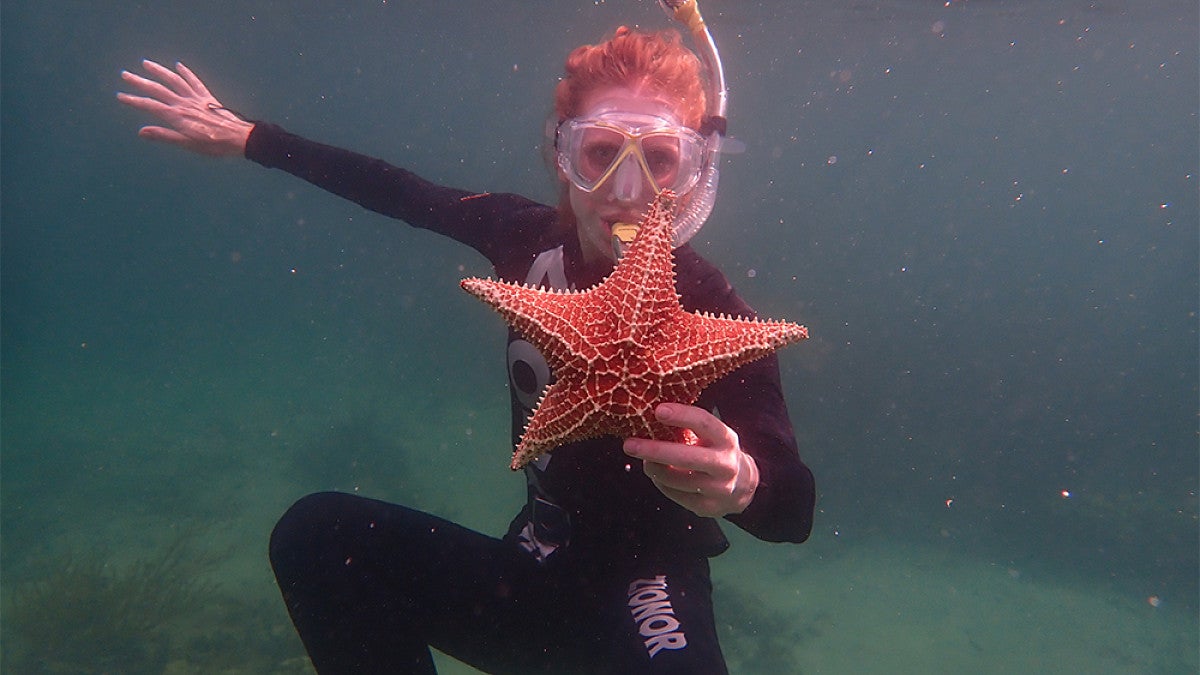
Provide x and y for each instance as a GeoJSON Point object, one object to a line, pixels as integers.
{"type": "Point", "coordinates": [193, 119]}
{"type": "Point", "coordinates": [713, 478]}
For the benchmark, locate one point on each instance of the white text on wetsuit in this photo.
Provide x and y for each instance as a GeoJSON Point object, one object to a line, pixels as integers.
{"type": "Point", "coordinates": [651, 608]}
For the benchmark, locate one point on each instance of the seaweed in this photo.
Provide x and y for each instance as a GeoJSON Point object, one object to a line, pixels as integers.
{"type": "Point", "coordinates": [757, 639]}
{"type": "Point", "coordinates": [86, 615]}
{"type": "Point", "coordinates": [250, 635]}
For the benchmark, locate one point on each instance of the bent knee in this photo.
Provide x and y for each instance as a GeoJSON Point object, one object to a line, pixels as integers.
{"type": "Point", "coordinates": [312, 517]}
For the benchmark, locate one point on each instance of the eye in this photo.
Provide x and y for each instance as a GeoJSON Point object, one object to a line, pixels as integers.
{"type": "Point", "coordinates": [661, 157]}
{"type": "Point", "coordinates": [598, 155]}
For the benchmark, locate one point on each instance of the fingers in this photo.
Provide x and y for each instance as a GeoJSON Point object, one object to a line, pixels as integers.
{"type": "Point", "coordinates": [188, 114]}
{"type": "Point", "coordinates": [686, 481]}
{"type": "Point", "coordinates": [711, 431]}
{"type": "Point", "coordinates": [702, 493]}
{"type": "Point", "coordinates": [172, 115]}
{"type": "Point", "coordinates": [193, 81]}
{"type": "Point", "coordinates": [702, 478]}
{"type": "Point", "coordinates": [712, 478]}
{"type": "Point", "coordinates": [170, 78]}
{"type": "Point", "coordinates": [686, 457]}
{"type": "Point", "coordinates": [149, 87]}
{"type": "Point", "coordinates": [145, 104]}
{"type": "Point", "coordinates": [705, 500]}
{"type": "Point", "coordinates": [168, 86]}
{"type": "Point", "coordinates": [715, 454]}
{"type": "Point", "coordinates": [163, 135]}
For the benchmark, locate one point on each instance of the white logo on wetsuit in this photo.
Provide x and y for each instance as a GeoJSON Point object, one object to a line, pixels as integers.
{"type": "Point", "coordinates": [528, 372]}
{"type": "Point", "coordinates": [650, 606]}
{"type": "Point", "coordinates": [549, 526]}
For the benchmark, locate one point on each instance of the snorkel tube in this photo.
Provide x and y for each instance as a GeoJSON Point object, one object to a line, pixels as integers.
{"type": "Point", "coordinates": [699, 203]}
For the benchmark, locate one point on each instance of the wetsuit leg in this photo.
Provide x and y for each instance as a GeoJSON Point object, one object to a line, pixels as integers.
{"type": "Point", "coordinates": [663, 620]}
{"type": "Point", "coordinates": [369, 585]}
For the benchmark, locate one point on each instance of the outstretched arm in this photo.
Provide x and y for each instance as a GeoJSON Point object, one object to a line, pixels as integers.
{"type": "Point", "coordinates": [500, 227]}
{"type": "Point", "coordinates": [193, 119]}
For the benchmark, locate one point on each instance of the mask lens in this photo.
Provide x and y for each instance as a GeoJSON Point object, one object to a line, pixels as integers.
{"type": "Point", "coordinates": [599, 148]}
{"type": "Point", "coordinates": [591, 151]}
{"type": "Point", "coordinates": [662, 154]}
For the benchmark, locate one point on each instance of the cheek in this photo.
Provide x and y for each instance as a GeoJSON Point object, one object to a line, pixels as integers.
{"type": "Point", "coordinates": [584, 206]}
{"type": "Point", "coordinates": [593, 235]}
{"type": "Point", "coordinates": [580, 201]}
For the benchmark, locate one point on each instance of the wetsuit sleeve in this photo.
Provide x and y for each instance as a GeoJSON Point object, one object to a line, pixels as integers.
{"type": "Point", "coordinates": [752, 404]}
{"type": "Point", "coordinates": [750, 400]}
{"type": "Point", "coordinates": [493, 224]}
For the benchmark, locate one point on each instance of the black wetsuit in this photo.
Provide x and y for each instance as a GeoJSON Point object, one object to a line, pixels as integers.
{"type": "Point", "coordinates": [599, 572]}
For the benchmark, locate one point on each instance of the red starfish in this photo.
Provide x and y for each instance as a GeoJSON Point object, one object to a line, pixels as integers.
{"type": "Point", "coordinates": [622, 347]}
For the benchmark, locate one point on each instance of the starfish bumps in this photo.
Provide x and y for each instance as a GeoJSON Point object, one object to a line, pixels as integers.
{"type": "Point", "coordinates": [622, 347]}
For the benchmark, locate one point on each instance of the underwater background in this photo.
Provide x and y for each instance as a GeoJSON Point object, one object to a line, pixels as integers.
{"type": "Point", "coordinates": [985, 212]}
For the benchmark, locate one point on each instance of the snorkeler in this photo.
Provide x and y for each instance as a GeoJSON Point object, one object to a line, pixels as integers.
{"type": "Point", "coordinates": [605, 569]}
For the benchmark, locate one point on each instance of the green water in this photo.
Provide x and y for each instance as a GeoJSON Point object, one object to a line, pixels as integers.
{"type": "Point", "coordinates": [985, 212]}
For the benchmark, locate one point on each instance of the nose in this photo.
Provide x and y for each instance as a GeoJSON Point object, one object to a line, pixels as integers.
{"type": "Point", "coordinates": [627, 180]}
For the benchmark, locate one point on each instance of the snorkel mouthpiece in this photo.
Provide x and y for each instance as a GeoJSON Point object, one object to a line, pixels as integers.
{"type": "Point", "coordinates": [623, 235]}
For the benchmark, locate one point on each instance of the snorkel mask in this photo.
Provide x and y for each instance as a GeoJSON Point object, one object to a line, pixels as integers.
{"type": "Point", "coordinates": [620, 151]}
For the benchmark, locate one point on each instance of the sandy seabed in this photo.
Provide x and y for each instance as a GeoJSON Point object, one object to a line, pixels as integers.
{"type": "Point", "coordinates": [880, 608]}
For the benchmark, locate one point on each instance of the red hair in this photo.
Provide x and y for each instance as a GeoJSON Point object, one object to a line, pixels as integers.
{"type": "Point", "coordinates": [654, 62]}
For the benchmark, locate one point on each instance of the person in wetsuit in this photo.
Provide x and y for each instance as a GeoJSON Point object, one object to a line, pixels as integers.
{"type": "Point", "coordinates": [605, 568]}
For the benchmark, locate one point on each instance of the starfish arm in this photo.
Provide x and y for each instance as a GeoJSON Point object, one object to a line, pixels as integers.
{"type": "Point", "coordinates": [711, 347]}
{"type": "Point", "coordinates": [550, 319]}
{"type": "Point", "coordinates": [562, 416]}
{"type": "Point", "coordinates": [643, 286]}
